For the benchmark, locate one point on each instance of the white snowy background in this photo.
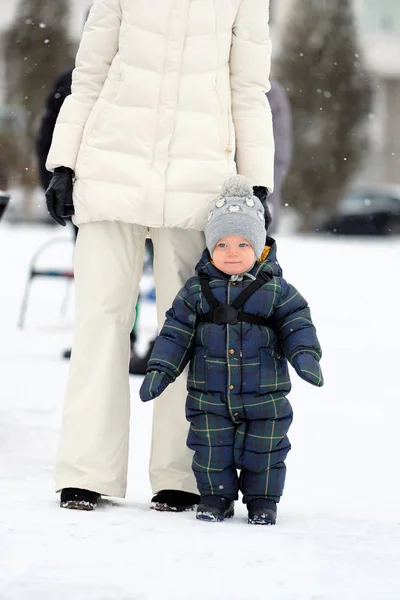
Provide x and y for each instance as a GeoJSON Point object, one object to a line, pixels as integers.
{"type": "Point", "coordinates": [338, 531]}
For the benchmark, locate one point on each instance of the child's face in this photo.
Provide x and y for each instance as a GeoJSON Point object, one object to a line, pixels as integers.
{"type": "Point", "coordinates": [233, 255]}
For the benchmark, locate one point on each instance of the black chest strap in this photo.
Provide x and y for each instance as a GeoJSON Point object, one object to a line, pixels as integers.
{"type": "Point", "coordinates": [224, 314]}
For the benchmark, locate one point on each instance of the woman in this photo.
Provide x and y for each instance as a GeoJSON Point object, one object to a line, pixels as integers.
{"type": "Point", "coordinates": [164, 93]}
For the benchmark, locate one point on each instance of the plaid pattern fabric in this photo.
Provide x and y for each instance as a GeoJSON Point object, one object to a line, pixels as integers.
{"type": "Point", "coordinates": [224, 443]}
{"type": "Point", "coordinates": [238, 378]}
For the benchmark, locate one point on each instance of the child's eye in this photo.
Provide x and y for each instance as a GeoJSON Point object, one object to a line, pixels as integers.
{"type": "Point", "coordinates": [221, 245]}
{"type": "Point", "coordinates": [243, 245]}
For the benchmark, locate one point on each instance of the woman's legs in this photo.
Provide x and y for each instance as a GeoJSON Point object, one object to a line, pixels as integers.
{"type": "Point", "coordinates": [176, 252]}
{"type": "Point", "coordinates": [93, 451]}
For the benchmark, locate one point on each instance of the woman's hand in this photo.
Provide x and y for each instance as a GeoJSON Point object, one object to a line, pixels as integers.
{"type": "Point", "coordinates": [261, 193]}
{"type": "Point", "coordinates": [59, 195]}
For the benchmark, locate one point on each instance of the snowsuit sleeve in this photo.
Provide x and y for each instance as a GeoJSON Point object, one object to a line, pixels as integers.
{"type": "Point", "coordinates": [174, 345]}
{"type": "Point", "coordinates": [250, 61]}
{"type": "Point", "coordinates": [98, 48]}
{"type": "Point", "coordinates": [293, 323]}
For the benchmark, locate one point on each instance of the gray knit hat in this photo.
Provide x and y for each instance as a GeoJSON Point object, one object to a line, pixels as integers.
{"type": "Point", "coordinates": [236, 212]}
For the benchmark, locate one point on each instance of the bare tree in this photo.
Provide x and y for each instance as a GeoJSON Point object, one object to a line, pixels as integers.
{"type": "Point", "coordinates": [36, 50]}
{"type": "Point", "coordinates": [331, 95]}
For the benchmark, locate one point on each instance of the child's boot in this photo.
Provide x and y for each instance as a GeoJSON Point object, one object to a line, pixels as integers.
{"type": "Point", "coordinates": [262, 511]}
{"type": "Point", "coordinates": [215, 508]}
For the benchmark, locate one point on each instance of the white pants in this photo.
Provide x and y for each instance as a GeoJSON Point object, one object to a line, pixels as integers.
{"type": "Point", "coordinates": [93, 451]}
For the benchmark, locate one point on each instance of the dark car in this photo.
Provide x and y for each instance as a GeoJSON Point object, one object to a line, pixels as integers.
{"type": "Point", "coordinates": [366, 212]}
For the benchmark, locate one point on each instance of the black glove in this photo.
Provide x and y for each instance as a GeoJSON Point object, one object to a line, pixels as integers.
{"type": "Point", "coordinates": [261, 193]}
{"type": "Point", "coordinates": [307, 367]}
{"type": "Point", "coordinates": [153, 385]}
{"type": "Point", "coordinates": [59, 195]}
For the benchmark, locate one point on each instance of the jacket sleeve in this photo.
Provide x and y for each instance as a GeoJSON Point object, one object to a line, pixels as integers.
{"type": "Point", "coordinates": [294, 326]}
{"type": "Point", "coordinates": [98, 48]}
{"type": "Point", "coordinates": [54, 102]}
{"type": "Point", "coordinates": [249, 72]}
{"type": "Point", "coordinates": [174, 345]}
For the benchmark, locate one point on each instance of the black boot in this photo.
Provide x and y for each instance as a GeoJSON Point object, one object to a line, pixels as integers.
{"type": "Point", "coordinates": [262, 511]}
{"type": "Point", "coordinates": [78, 499]}
{"type": "Point", "coordinates": [215, 508]}
{"type": "Point", "coordinates": [138, 364]}
{"type": "Point", "coordinates": [174, 501]}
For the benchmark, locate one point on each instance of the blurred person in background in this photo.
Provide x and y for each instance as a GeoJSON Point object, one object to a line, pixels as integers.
{"type": "Point", "coordinates": [54, 102]}
{"type": "Point", "coordinates": [143, 145]}
{"type": "Point", "coordinates": [282, 126]}
{"type": "Point", "coordinates": [4, 197]}
{"type": "Point", "coordinates": [3, 174]}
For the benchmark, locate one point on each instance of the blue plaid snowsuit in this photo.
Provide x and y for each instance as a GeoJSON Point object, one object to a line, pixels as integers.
{"type": "Point", "coordinates": [238, 378]}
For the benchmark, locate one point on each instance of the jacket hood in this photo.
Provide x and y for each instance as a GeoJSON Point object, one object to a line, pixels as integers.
{"type": "Point", "coordinates": [268, 263]}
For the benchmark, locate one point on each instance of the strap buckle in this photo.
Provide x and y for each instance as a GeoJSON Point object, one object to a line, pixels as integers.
{"type": "Point", "coordinates": [225, 314]}
{"type": "Point", "coordinates": [265, 276]}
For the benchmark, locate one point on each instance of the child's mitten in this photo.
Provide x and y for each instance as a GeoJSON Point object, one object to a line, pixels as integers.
{"type": "Point", "coordinates": [307, 367]}
{"type": "Point", "coordinates": [153, 385]}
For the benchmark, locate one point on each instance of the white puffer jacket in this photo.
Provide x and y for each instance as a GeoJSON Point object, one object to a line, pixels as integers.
{"type": "Point", "coordinates": [163, 94]}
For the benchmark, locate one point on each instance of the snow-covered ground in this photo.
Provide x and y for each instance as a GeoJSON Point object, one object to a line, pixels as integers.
{"type": "Point", "coordinates": [338, 535]}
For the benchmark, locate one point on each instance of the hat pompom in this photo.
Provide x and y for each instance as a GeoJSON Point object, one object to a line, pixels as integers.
{"type": "Point", "coordinates": [237, 186]}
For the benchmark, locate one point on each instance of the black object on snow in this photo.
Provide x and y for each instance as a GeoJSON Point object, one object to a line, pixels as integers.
{"type": "Point", "coordinates": [215, 509]}
{"type": "Point", "coordinates": [174, 501]}
{"type": "Point", "coordinates": [261, 512]}
{"type": "Point", "coordinates": [78, 499]}
{"type": "Point", "coordinates": [138, 364]}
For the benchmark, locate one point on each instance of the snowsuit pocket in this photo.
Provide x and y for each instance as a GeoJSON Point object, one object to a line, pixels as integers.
{"type": "Point", "coordinates": [216, 375]}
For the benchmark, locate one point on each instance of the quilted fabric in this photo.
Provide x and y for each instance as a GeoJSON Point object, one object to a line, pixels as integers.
{"type": "Point", "coordinates": [238, 378]}
{"type": "Point", "coordinates": [164, 93]}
